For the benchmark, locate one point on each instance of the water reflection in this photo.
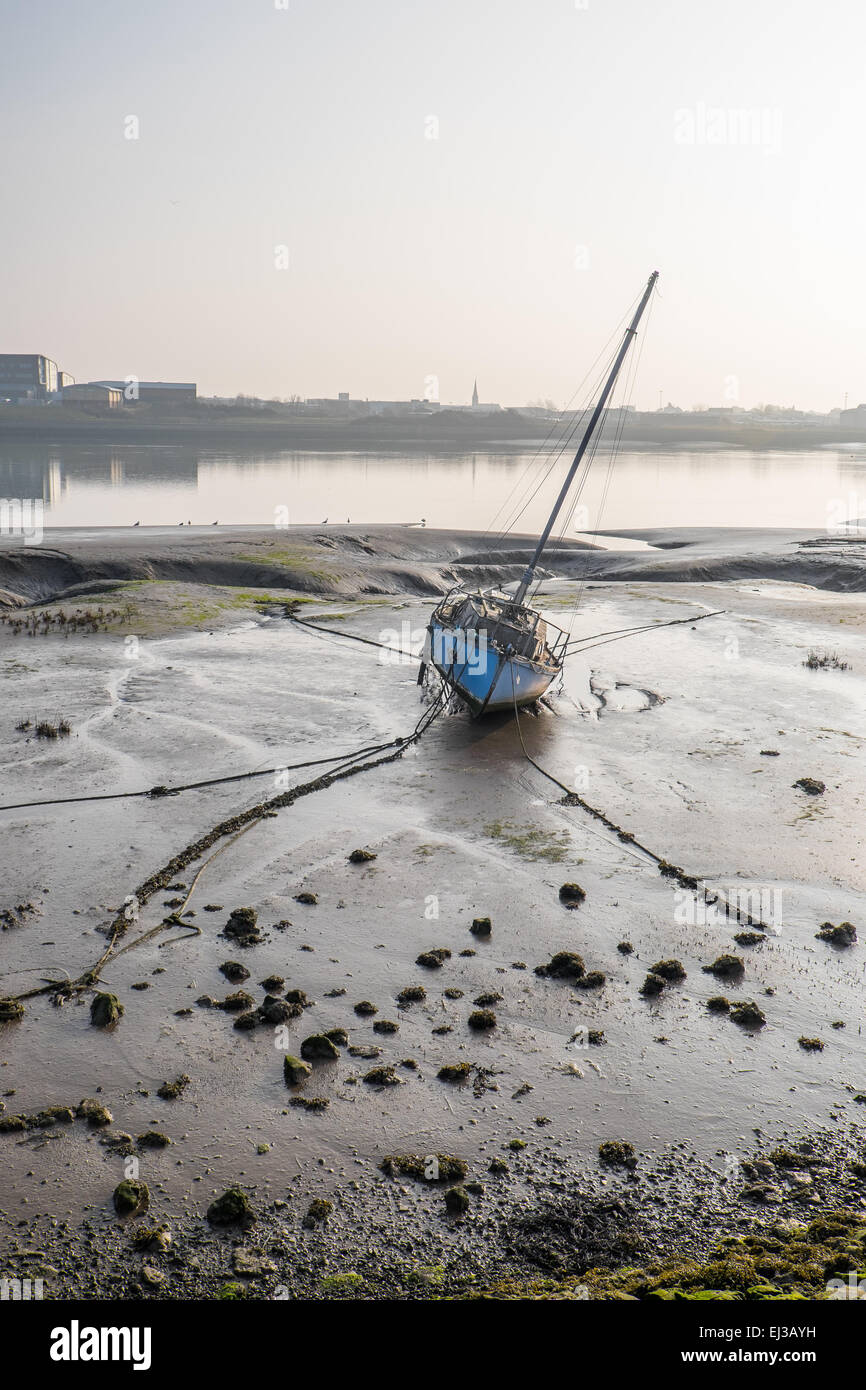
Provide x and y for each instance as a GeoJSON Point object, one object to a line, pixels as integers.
{"type": "Point", "coordinates": [161, 484]}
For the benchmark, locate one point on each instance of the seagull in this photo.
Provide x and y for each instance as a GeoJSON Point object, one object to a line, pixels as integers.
{"type": "Point", "coordinates": [325, 522]}
{"type": "Point", "coordinates": [136, 523]}
{"type": "Point", "coordinates": [214, 523]}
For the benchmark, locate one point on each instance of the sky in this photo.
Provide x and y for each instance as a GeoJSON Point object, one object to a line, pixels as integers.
{"type": "Point", "coordinates": [300, 197]}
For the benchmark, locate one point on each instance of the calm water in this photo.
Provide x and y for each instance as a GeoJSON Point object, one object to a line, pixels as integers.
{"type": "Point", "coordinates": [165, 484]}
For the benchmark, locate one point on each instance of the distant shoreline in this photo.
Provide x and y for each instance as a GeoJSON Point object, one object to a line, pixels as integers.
{"type": "Point", "coordinates": [508, 430]}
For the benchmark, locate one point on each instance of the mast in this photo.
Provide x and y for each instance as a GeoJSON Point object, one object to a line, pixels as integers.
{"type": "Point", "coordinates": [630, 332]}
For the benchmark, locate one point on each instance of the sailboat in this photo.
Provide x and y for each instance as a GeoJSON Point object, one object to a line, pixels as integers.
{"type": "Point", "coordinates": [492, 650]}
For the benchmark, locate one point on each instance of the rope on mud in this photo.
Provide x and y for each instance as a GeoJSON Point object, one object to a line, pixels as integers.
{"type": "Point", "coordinates": [234, 827]}
{"type": "Point", "coordinates": [351, 636]}
{"type": "Point", "coordinates": [665, 868]}
{"type": "Point", "coordinates": [616, 634]}
{"type": "Point", "coordinates": [192, 786]}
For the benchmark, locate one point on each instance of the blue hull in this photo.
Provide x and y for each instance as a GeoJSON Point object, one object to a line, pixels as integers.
{"type": "Point", "coordinates": [486, 680]}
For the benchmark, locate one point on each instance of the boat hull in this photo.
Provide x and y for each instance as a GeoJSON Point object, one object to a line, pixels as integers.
{"type": "Point", "coordinates": [487, 681]}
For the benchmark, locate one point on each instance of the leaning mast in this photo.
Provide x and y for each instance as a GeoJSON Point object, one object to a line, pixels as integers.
{"type": "Point", "coordinates": [523, 586]}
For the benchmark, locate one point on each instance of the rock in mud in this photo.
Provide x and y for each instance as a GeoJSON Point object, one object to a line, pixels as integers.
{"type": "Point", "coordinates": [236, 1003]}
{"type": "Point", "coordinates": [106, 1010]}
{"type": "Point", "coordinates": [748, 1014]}
{"type": "Point", "coordinates": [93, 1112]}
{"type": "Point", "coordinates": [481, 926]}
{"type": "Point", "coordinates": [318, 1211]}
{"type": "Point", "coordinates": [564, 965]}
{"type": "Point", "coordinates": [749, 938]}
{"type": "Point", "coordinates": [725, 967]}
{"type": "Point", "coordinates": [365, 1009]}
{"type": "Point", "coordinates": [594, 980]}
{"type": "Point", "coordinates": [233, 1206]}
{"type": "Point", "coordinates": [365, 1051]}
{"type": "Point", "coordinates": [313, 1103]}
{"type": "Point", "coordinates": [295, 1071]}
{"type": "Point", "coordinates": [234, 971]}
{"type": "Point", "coordinates": [242, 927]}
{"type": "Point", "coordinates": [274, 1010]}
{"type": "Point", "coordinates": [843, 935]}
{"type": "Point", "coordinates": [382, 1076]}
{"type": "Point", "coordinates": [719, 1004]}
{"type": "Point", "coordinates": [457, 1201]}
{"type": "Point", "coordinates": [810, 785]}
{"type": "Point", "coordinates": [385, 1025]}
{"type": "Point", "coordinates": [299, 997]}
{"type": "Point", "coordinates": [246, 1022]}
{"type": "Point", "coordinates": [811, 1044]}
{"type": "Point", "coordinates": [361, 856]}
{"type": "Point", "coordinates": [482, 1020]}
{"type": "Point", "coordinates": [669, 969]}
{"type": "Point", "coordinates": [309, 899]}
{"type": "Point", "coordinates": [454, 1071]}
{"type": "Point", "coordinates": [412, 994]}
{"type": "Point", "coordinates": [617, 1153]}
{"type": "Point", "coordinates": [11, 1010]}
{"type": "Point", "coordinates": [131, 1197]}
{"type": "Point", "coordinates": [652, 985]}
{"type": "Point", "coordinates": [433, 959]}
{"type": "Point", "coordinates": [170, 1090]}
{"type": "Point", "coordinates": [318, 1047]}
{"type": "Point", "coordinates": [152, 1238]}
{"type": "Point", "coordinates": [153, 1139]}
{"type": "Point", "coordinates": [572, 895]}
{"type": "Point", "coordinates": [339, 1037]}
{"type": "Point", "coordinates": [272, 983]}
{"type": "Point", "coordinates": [625, 948]}
{"type": "Point", "coordinates": [425, 1167]}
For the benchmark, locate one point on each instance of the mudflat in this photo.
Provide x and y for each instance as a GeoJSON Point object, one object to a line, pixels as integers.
{"type": "Point", "coordinates": [724, 768]}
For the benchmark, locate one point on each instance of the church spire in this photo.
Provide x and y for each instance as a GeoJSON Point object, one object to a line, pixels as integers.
{"type": "Point", "coordinates": [475, 393]}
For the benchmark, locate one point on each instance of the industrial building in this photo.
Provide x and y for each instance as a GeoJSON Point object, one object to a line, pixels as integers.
{"type": "Point", "coordinates": [164, 393]}
{"type": "Point", "coordinates": [93, 393]}
{"type": "Point", "coordinates": [27, 377]}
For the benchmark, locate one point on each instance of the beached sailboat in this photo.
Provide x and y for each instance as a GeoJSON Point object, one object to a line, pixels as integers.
{"type": "Point", "coordinates": [489, 647]}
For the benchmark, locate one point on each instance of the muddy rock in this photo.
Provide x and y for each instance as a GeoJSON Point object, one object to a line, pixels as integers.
{"type": "Point", "coordinates": [106, 1011]}
{"type": "Point", "coordinates": [564, 965]}
{"type": "Point", "coordinates": [232, 1207]}
{"type": "Point", "coordinates": [295, 1071]}
{"type": "Point", "coordinates": [131, 1197]}
{"type": "Point", "coordinates": [572, 895]}
{"type": "Point", "coordinates": [318, 1047]}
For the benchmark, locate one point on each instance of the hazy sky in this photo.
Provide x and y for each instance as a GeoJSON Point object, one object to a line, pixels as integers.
{"type": "Point", "coordinates": [577, 148]}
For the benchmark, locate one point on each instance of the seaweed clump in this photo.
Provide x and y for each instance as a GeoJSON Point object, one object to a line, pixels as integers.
{"type": "Point", "coordinates": [669, 969]}
{"type": "Point", "coordinates": [725, 967]}
{"type": "Point", "coordinates": [652, 985]}
{"type": "Point", "coordinates": [843, 935]}
{"type": "Point", "coordinates": [617, 1153]}
{"type": "Point", "coordinates": [425, 1167]}
{"type": "Point", "coordinates": [454, 1071]}
{"type": "Point", "coordinates": [571, 895]}
{"type": "Point", "coordinates": [232, 1207]}
{"type": "Point", "coordinates": [433, 959]}
{"type": "Point", "coordinates": [564, 965]}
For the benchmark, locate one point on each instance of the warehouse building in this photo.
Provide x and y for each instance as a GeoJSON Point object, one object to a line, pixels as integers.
{"type": "Point", "coordinates": [165, 393]}
{"type": "Point", "coordinates": [93, 393]}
